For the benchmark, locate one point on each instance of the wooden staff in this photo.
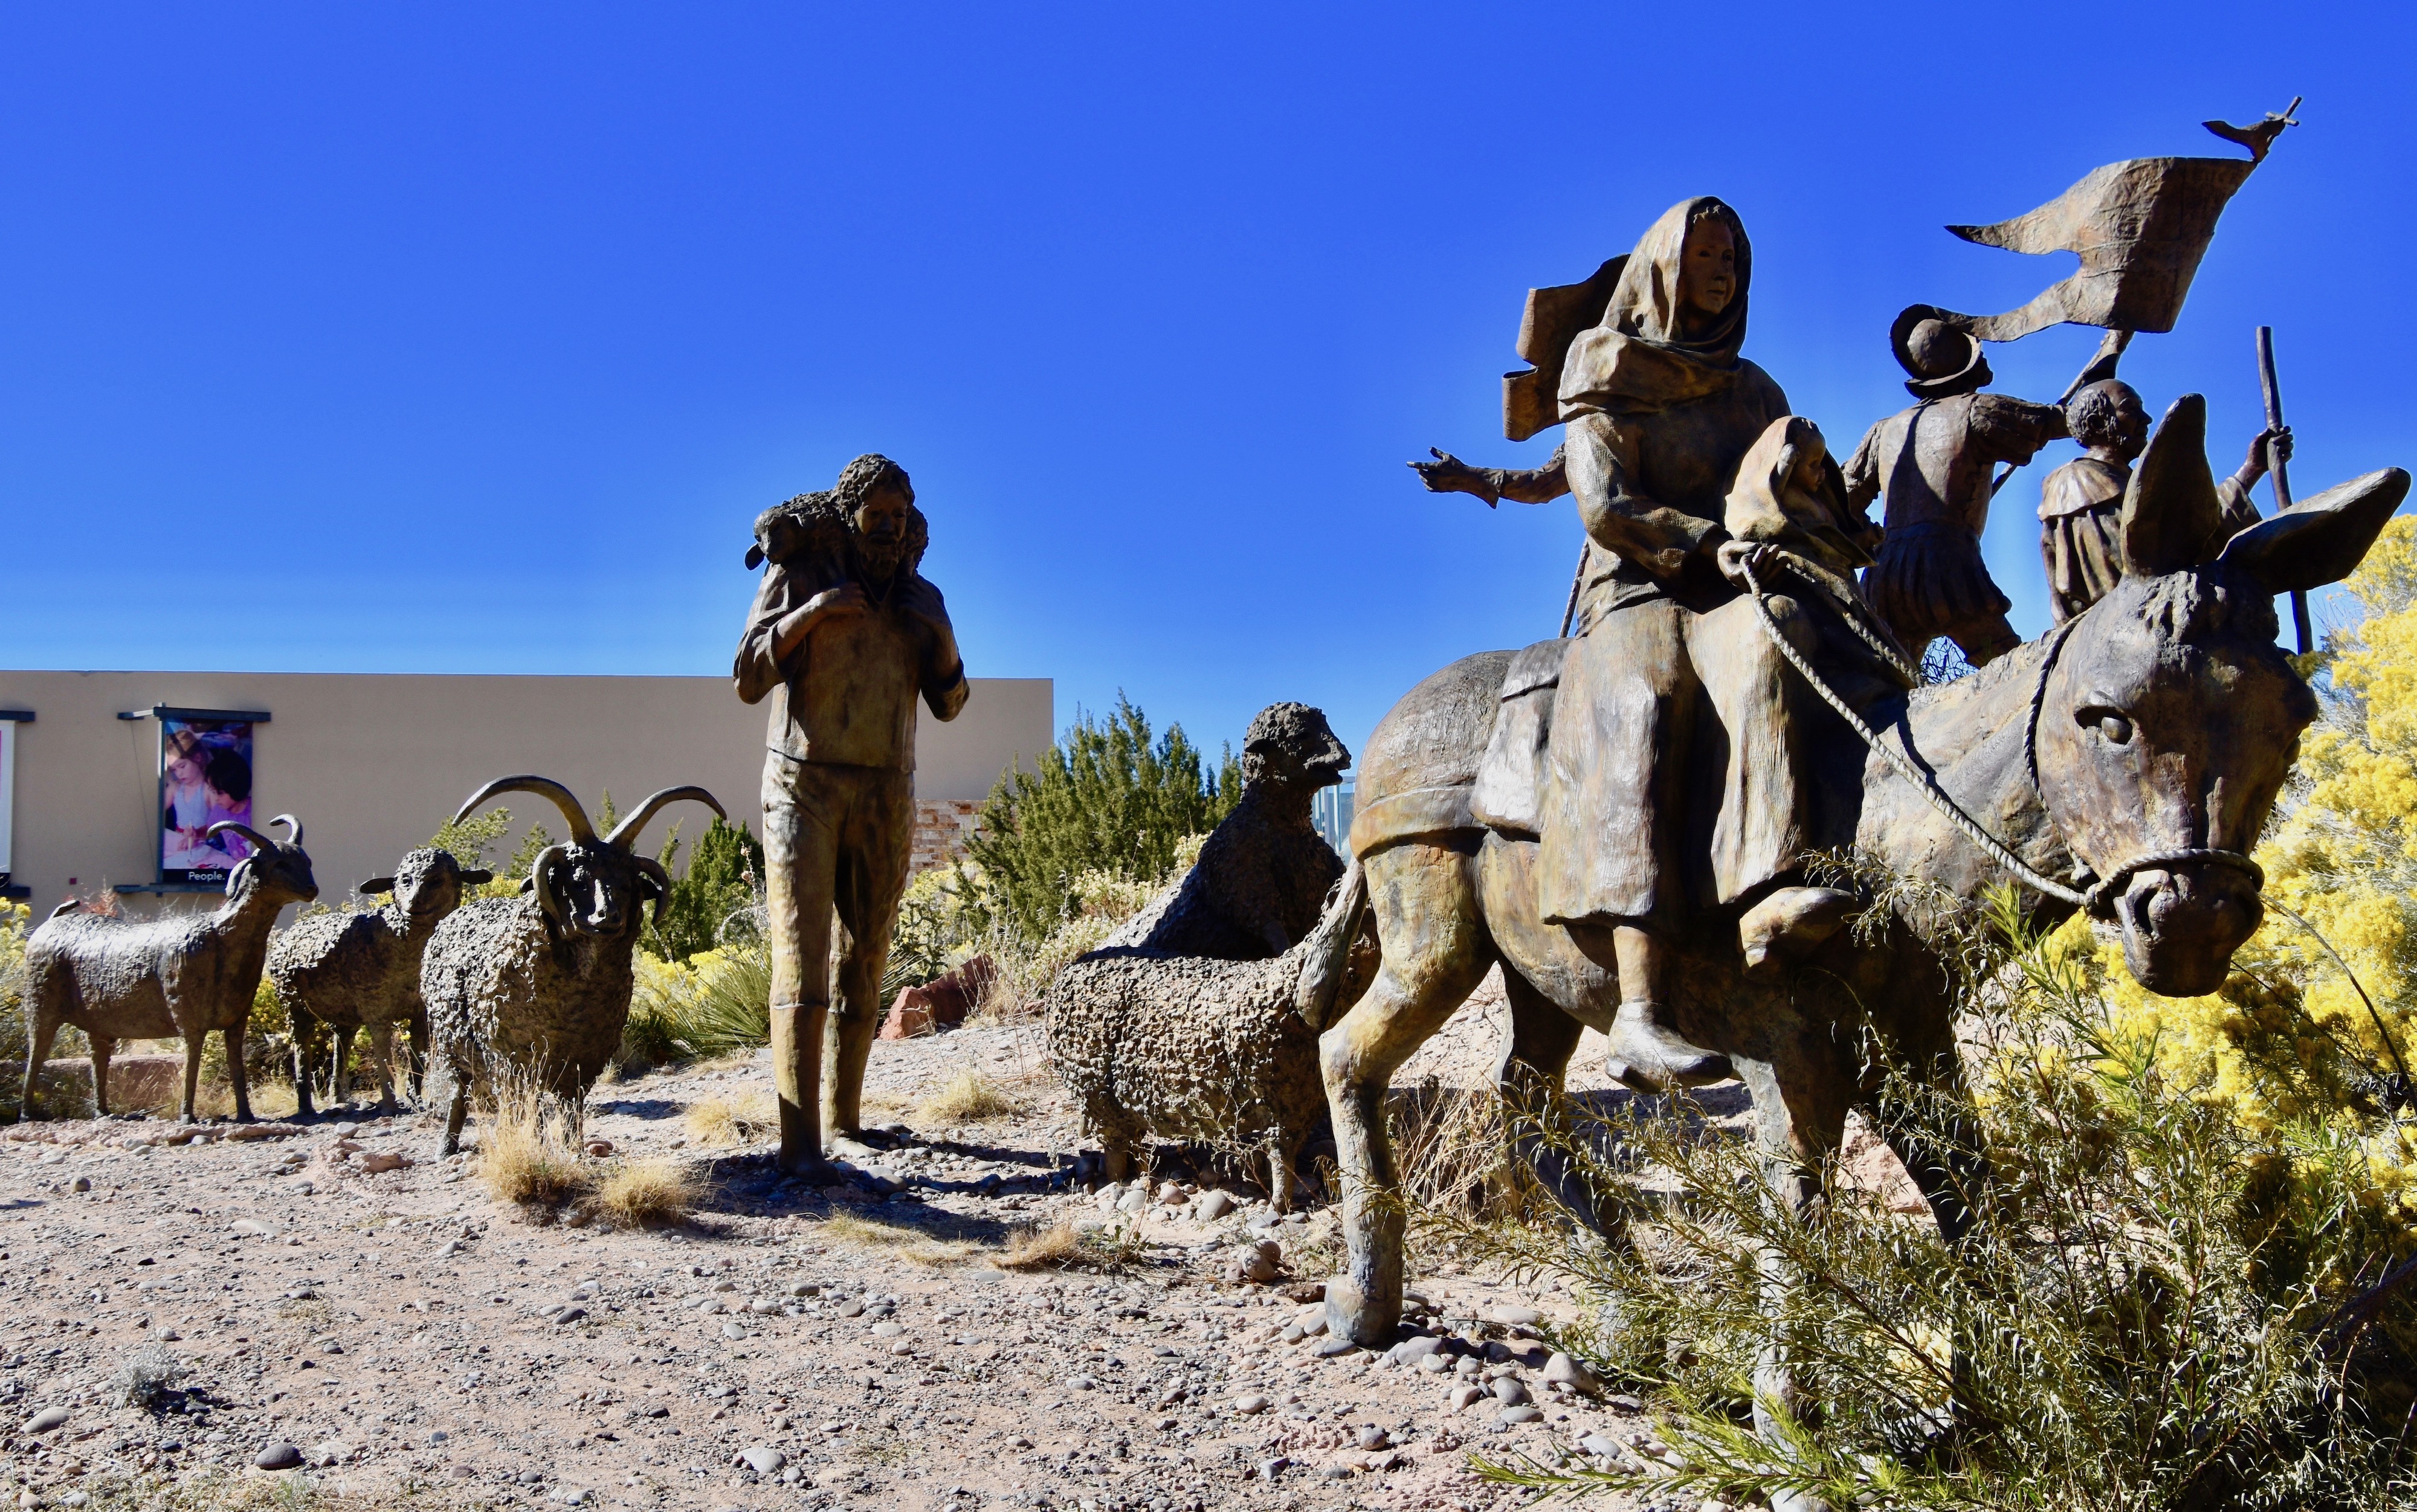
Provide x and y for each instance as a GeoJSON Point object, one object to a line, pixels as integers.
{"type": "Point", "coordinates": [2275, 469]}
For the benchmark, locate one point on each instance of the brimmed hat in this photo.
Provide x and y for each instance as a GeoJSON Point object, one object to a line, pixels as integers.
{"type": "Point", "coordinates": [1943, 357]}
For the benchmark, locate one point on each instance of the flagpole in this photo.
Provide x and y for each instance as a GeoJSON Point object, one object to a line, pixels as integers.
{"type": "Point", "coordinates": [2277, 469]}
{"type": "Point", "coordinates": [2100, 368]}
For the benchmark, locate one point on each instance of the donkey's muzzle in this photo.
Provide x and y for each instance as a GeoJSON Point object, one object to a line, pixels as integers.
{"type": "Point", "coordinates": [2181, 925]}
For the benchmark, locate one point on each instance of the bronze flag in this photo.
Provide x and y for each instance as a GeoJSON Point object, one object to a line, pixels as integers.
{"type": "Point", "coordinates": [2139, 227]}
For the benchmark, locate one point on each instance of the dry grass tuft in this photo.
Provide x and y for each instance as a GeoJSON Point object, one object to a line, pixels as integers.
{"type": "Point", "coordinates": [906, 1243]}
{"type": "Point", "coordinates": [968, 1097]}
{"type": "Point", "coordinates": [1051, 1249]}
{"type": "Point", "coordinates": [647, 1193]}
{"type": "Point", "coordinates": [528, 1153]}
{"type": "Point", "coordinates": [749, 1119]}
{"type": "Point", "coordinates": [1063, 1246]}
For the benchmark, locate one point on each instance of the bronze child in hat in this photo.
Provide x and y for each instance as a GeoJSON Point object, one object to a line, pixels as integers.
{"type": "Point", "coordinates": [1931, 465]}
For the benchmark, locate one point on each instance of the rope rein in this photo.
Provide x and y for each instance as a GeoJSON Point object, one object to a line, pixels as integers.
{"type": "Point", "coordinates": [2096, 898]}
{"type": "Point", "coordinates": [2099, 892]}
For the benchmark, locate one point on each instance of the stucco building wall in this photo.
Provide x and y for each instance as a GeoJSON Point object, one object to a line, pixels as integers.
{"type": "Point", "coordinates": [373, 764]}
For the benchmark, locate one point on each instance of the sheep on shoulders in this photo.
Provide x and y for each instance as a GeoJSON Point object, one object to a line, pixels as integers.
{"type": "Point", "coordinates": [179, 976]}
{"type": "Point", "coordinates": [537, 988]}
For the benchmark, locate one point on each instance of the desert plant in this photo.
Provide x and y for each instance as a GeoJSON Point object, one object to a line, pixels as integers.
{"type": "Point", "coordinates": [721, 1121]}
{"type": "Point", "coordinates": [724, 876]}
{"type": "Point", "coordinates": [146, 1375]}
{"type": "Point", "coordinates": [1108, 798]}
{"type": "Point", "coordinates": [529, 1153]}
{"type": "Point", "coordinates": [2161, 1306]}
{"type": "Point", "coordinates": [967, 1098]}
{"type": "Point", "coordinates": [646, 1194]}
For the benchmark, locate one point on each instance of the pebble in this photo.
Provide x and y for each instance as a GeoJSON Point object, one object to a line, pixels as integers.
{"type": "Point", "coordinates": [1599, 1446]}
{"type": "Point", "coordinates": [45, 1420]}
{"type": "Point", "coordinates": [1080, 1382]}
{"type": "Point", "coordinates": [1250, 1404]}
{"type": "Point", "coordinates": [1415, 1350]}
{"type": "Point", "coordinates": [81, 1184]}
{"type": "Point", "coordinates": [278, 1456]}
{"type": "Point", "coordinates": [762, 1460]}
{"type": "Point", "coordinates": [1509, 1392]}
{"type": "Point", "coordinates": [331, 1452]}
{"type": "Point", "coordinates": [1521, 1414]}
{"type": "Point", "coordinates": [731, 1330]}
{"type": "Point", "coordinates": [1434, 1365]}
{"type": "Point", "coordinates": [570, 1315]}
{"type": "Point", "coordinates": [1211, 1205]}
{"type": "Point", "coordinates": [885, 1329]}
{"type": "Point", "coordinates": [1171, 1194]}
{"type": "Point", "coordinates": [1326, 1349]}
{"type": "Point", "coordinates": [1134, 1201]}
{"type": "Point", "coordinates": [1569, 1370]}
{"type": "Point", "coordinates": [1462, 1395]}
{"type": "Point", "coordinates": [1514, 1317]}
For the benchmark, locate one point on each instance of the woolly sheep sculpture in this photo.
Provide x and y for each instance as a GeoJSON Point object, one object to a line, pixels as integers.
{"type": "Point", "coordinates": [538, 986]}
{"type": "Point", "coordinates": [1199, 1049]}
{"type": "Point", "coordinates": [361, 971]}
{"type": "Point", "coordinates": [181, 976]}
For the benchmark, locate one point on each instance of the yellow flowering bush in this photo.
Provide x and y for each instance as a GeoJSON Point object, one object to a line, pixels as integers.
{"type": "Point", "coordinates": [2289, 1043]}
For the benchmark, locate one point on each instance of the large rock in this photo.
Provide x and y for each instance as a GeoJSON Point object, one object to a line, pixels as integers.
{"type": "Point", "coordinates": [940, 1003]}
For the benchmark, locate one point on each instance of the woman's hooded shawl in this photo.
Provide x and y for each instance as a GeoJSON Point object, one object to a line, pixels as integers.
{"type": "Point", "coordinates": [1634, 362]}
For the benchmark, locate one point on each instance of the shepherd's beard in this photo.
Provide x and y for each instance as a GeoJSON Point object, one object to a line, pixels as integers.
{"type": "Point", "coordinates": [878, 562]}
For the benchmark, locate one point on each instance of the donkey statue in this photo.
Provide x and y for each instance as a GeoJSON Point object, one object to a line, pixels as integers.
{"type": "Point", "coordinates": [2137, 749]}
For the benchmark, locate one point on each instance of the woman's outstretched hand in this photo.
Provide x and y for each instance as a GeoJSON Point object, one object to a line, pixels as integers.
{"type": "Point", "coordinates": [1448, 473]}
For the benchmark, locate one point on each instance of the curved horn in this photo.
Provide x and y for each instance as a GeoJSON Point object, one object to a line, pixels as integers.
{"type": "Point", "coordinates": [544, 787]}
{"type": "Point", "coordinates": [654, 869]}
{"type": "Point", "coordinates": [626, 830]}
{"type": "Point", "coordinates": [546, 901]}
{"type": "Point", "coordinates": [293, 829]}
{"type": "Point", "coordinates": [259, 841]}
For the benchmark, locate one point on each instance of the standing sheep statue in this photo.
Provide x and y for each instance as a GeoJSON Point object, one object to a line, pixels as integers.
{"type": "Point", "coordinates": [361, 971]}
{"type": "Point", "coordinates": [182, 976]}
{"type": "Point", "coordinates": [538, 986]}
{"type": "Point", "coordinates": [1198, 1020]}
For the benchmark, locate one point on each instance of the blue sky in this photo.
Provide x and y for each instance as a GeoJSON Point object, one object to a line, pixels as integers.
{"type": "Point", "coordinates": [470, 339]}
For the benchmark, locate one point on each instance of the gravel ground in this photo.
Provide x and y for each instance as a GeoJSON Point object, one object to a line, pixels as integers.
{"type": "Point", "coordinates": [412, 1342]}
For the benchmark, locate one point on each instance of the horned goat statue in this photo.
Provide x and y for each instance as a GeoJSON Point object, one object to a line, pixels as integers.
{"type": "Point", "coordinates": [182, 976]}
{"type": "Point", "coordinates": [347, 972]}
{"type": "Point", "coordinates": [537, 988]}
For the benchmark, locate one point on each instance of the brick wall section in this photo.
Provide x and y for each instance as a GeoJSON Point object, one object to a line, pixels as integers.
{"type": "Point", "coordinates": [942, 827]}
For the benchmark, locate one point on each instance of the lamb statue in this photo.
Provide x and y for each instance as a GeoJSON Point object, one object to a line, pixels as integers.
{"type": "Point", "coordinates": [1198, 1021]}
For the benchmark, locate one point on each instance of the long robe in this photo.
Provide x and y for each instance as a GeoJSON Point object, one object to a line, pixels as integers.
{"type": "Point", "coordinates": [1681, 767]}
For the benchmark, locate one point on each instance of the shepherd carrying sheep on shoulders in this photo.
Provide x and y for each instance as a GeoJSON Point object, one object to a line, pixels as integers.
{"type": "Point", "coordinates": [843, 636]}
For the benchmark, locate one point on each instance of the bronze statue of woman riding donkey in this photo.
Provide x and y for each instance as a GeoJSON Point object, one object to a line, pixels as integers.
{"type": "Point", "coordinates": [1620, 820]}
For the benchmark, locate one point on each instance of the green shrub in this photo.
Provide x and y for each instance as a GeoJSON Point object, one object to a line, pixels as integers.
{"type": "Point", "coordinates": [1109, 797]}
{"type": "Point", "coordinates": [2162, 1307]}
{"type": "Point", "coordinates": [724, 877]}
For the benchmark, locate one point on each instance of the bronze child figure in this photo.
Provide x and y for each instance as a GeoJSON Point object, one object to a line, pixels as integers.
{"type": "Point", "coordinates": [843, 637]}
{"type": "Point", "coordinates": [2081, 503]}
{"type": "Point", "coordinates": [1931, 465]}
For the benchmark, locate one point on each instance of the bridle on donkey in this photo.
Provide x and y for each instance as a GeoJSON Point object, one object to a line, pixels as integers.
{"type": "Point", "coordinates": [2098, 897]}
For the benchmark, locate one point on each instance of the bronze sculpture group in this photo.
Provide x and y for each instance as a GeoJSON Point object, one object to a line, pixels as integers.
{"type": "Point", "coordinates": [1629, 820]}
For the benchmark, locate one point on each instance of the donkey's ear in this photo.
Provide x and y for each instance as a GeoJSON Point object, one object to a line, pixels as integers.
{"type": "Point", "coordinates": [2317, 540]}
{"type": "Point", "coordinates": [2170, 515]}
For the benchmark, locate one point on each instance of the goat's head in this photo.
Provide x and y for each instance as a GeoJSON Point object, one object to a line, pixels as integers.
{"type": "Point", "coordinates": [278, 870]}
{"type": "Point", "coordinates": [593, 884]}
{"type": "Point", "coordinates": [427, 886]}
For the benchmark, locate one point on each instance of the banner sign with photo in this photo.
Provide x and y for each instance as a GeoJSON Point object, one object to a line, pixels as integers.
{"type": "Point", "coordinates": [205, 778]}
{"type": "Point", "coordinates": [8, 729]}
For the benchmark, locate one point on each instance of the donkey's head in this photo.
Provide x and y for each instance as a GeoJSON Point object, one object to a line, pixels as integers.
{"type": "Point", "coordinates": [2170, 717]}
